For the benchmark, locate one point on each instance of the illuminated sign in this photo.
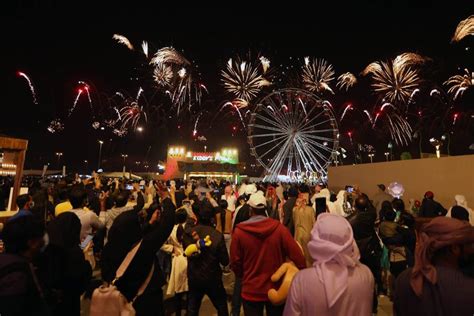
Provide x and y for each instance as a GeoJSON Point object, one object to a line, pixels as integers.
{"type": "Point", "coordinates": [201, 157]}
{"type": "Point", "coordinates": [226, 155]}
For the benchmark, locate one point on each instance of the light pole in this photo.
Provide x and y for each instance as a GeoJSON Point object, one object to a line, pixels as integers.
{"type": "Point", "coordinates": [59, 158]}
{"type": "Point", "coordinates": [371, 156]}
{"type": "Point", "coordinates": [100, 154]}
{"type": "Point", "coordinates": [390, 146]}
{"type": "Point", "coordinates": [86, 164]}
{"type": "Point", "coordinates": [124, 156]}
{"type": "Point", "coordinates": [386, 155]}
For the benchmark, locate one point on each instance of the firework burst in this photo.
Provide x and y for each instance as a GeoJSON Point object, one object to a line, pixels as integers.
{"type": "Point", "coordinates": [55, 126]}
{"type": "Point", "coordinates": [464, 28]}
{"type": "Point", "coordinates": [245, 79]}
{"type": "Point", "coordinates": [131, 115]}
{"type": "Point", "coordinates": [458, 84]}
{"type": "Point", "coordinates": [346, 81]}
{"type": "Point", "coordinates": [395, 80]}
{"type": "Point", "coordinates": [175, 73]}
{"type": "Point", "coordinates": [317, 74]}
{"type": "Point", "coordinates": [123, 40]}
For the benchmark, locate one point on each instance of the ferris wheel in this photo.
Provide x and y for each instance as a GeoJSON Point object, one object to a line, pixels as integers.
{"type": "Point", "coordinates": [293, 133]}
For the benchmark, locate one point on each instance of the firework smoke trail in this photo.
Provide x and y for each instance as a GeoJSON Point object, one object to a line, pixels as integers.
{"type": "Point", "coordinates": [464, 28]}
{"type": "Point", "coordinates": [123, 40]}
{"type": "Point", "coordinates": [196, 123]}
{"type": "Point", "coordinates": [79, 92]}
{"type": "Point", "coordinates": [327, 103]}
{"type": "Point", "coordinates": [120, 95]}
{"type": "Point", "coordinates": [145, 48]}
{"type": "Point", "coordinates": [86, 88]}
{"type": "Point", "coordinates": [304, 108]}
{"type": "Point", "coordinates": [32, 88]}
{"type": "Point", "coordinates": [385, 105]}
{"type": "Point", "coordinates": [434, 91]}
{"type": "Point", "coordinates": [455, 117]}
{"type": "Point", "coordinates": [140, 91]}
{"type": "Point", "coordinates": [375, 120]}
{"type": "Point", "coordinates": [346, 81]}
{"type": "Point", "coordinates": [271, 108]}
{"type": "Point", "coordinates": [369, 116]}
{"type": "Point", "coordinates": [413, 95]}
{"type": "Point", "coordinates": [459, 83]}
{"type": "Point", "coordinates": [238, 111]}
{"type": "Point", "coordinates": [347, 108]}
{"type": "Point", "coordinates": [202, 86]}
{"type": "Point", "coordinates": [317, 75]}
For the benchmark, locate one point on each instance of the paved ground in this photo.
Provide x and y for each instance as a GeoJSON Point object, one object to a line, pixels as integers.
{"type": "Point", "coordinates": [207, 309]}
{"type": "Point", "coordinates": [385, 307]}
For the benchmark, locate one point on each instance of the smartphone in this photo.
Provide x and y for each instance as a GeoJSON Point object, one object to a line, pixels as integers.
{"type": "Point", "coordinates": [86, 241]}
{"type": "Point", "coordinates": [129, 187]}
{"type": "Point", "coordinates": [142, 187]}
{"type": "Point", "coordinates": [349, 189]}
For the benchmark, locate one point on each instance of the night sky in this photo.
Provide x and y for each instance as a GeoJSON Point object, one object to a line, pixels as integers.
{"type": "Point", "coordinates": [57, 45]}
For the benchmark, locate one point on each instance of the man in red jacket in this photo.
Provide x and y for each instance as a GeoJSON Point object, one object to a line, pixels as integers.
{"type": "Point", "coordinates": [259, 246]}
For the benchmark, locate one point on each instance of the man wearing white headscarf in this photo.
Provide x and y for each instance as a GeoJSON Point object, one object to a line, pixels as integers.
{"type": "Point", "coordinates": [337, 284]}
{"type": "Point", "coordinates": [325, 193]}
{"type": "Point", "coordinates": [461, 201]}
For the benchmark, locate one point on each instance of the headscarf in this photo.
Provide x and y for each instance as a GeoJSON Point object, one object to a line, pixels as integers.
{"type": "Point", "coordinates": [440, 232]}
{"type": "Point", "coordinates": [65, 230]}
{"type": "Point", "coordinates": [334, 252]}
{"type": "Point", "coordinates": [461, 200]}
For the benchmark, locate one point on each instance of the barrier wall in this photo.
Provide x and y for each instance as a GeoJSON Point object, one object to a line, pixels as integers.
{"type": "Point", "coordinates": [446, 177]}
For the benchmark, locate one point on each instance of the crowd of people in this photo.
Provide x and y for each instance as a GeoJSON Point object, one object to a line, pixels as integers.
{"type": "Point", "coordinates": [320, 252]}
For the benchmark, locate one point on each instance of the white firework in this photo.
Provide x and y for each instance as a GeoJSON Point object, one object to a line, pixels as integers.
{"type": "Point", "coordinates": [460, 83]}
{"type": "Point", "coordinates": [123, 40]}
{"type": "Point", "coordinates": [317, 75]}
{"type": "Point", "coordinates": [346, 81]}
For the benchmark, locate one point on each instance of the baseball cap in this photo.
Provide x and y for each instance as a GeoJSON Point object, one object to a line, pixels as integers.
{"type": "Point", "coordinates": [257, 200]}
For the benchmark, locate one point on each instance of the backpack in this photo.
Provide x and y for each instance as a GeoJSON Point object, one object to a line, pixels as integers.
{"type": "Point", "coordinates": [107, 299]}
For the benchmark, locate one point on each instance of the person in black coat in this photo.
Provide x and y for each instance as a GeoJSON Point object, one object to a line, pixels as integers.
{"type": "Point", "coordinates": [20, 290]}
{"type": "Point", "coordinates": [363, 227]}
{"type": "Point", "coordinates": [63, 270]}
{"type": "Point", "coordinates": [204, 268]}
{"type": "Point", "coordinates": [431, 208]}
{"type": "Point", "coordinates": [127, 230]}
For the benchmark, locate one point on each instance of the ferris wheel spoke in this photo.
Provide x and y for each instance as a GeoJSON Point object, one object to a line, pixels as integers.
{"type": "Point", "coordinates": [279, 115]}
{"type": "Point", "coordinates": [270, 141]}
{"type": "Point", "coordinates": [322, 147]}
{"type": "Point", "coordinates": [269, 128]}
{"type": "Point", "coordinates": [278, 121]}
{"type": "Point", "coordinates": [268, 151]}
{"type": "Point", "coordinates": [303, 157]}
{"type": "Point", "coordinates": [268, 120]}
{"type": "Point", "coordinates": [267, 135]}
{"type": "Point", "coordinates": [278, 161]}
{"type": "Point", "coordinates": [326, 139]}
{"type": "Point", "coordinates": [316, 151]}
{"type": "Point", "coordinates": [306, 123]}
{"type": "Point", "coordinates": [313, 159]}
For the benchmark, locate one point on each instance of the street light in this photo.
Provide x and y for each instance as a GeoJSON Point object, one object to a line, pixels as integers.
{"type": "Point", "coordinates": [386, 155]}
{"type": "Point", "coordinates": [139, 129]}
{"type": "Point", "coordinates": [59, 158]}
{"type": "Point", "coordinates": [86, 164]}
{"type": "Point", "coordinates": [100, 153]}
{"type": "Point", "coordinates": [124, 156]}
{"type": "Point", "coordinates": [437, 144]}
{"type": "Point", "coordinates": [371, 156]}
